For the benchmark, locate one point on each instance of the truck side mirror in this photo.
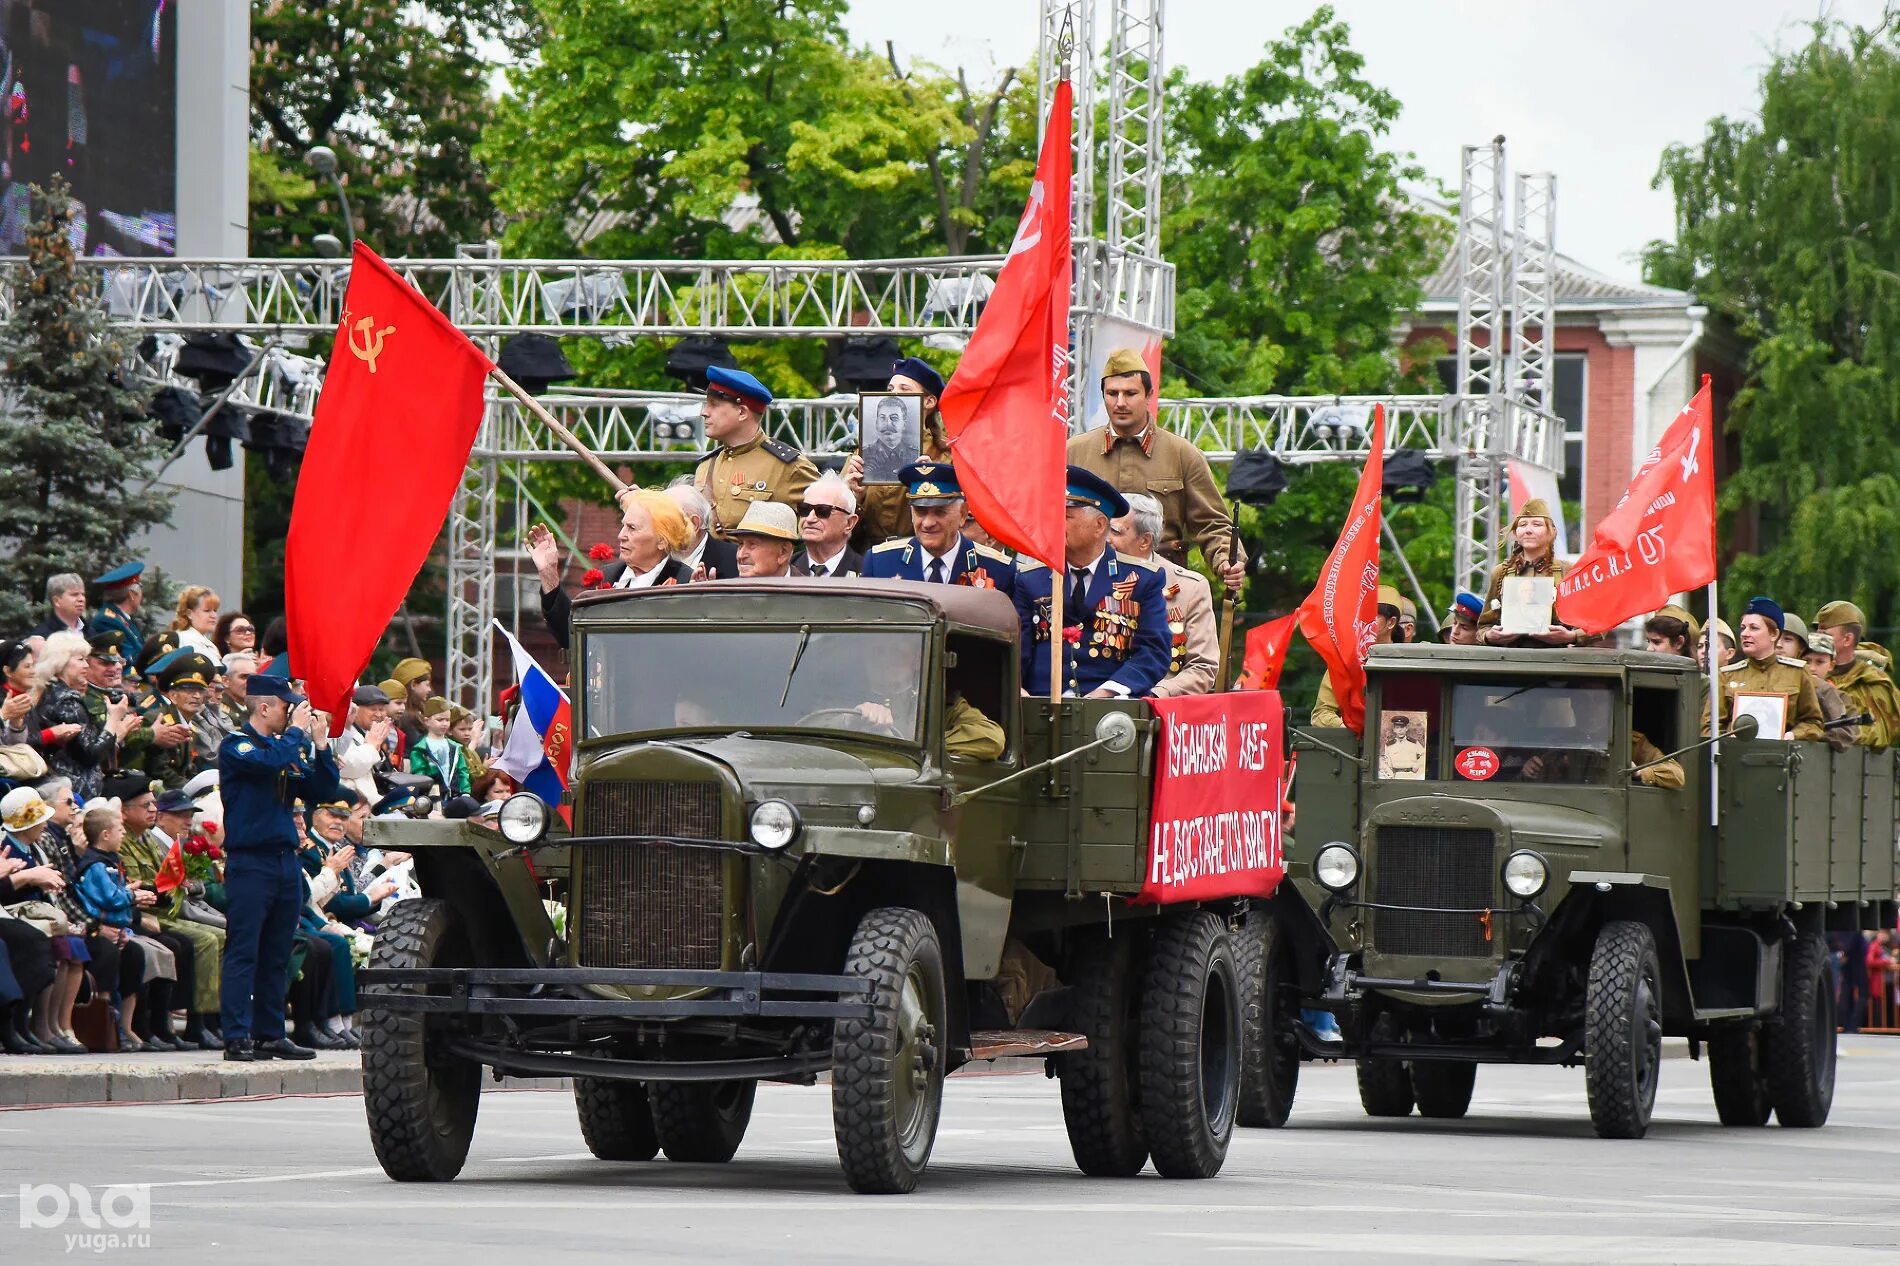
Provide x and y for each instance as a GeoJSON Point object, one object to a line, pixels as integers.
{"type": "Point", "coordinates": [1115, 732]}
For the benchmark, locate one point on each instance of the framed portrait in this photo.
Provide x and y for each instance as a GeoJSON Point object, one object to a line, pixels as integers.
{"type": "Point", "coordinates": [890, 433]}
{"type": "Point", "coordinates": [1402, 744]}
{"type": "Point", "coordinates": [1769, 708]}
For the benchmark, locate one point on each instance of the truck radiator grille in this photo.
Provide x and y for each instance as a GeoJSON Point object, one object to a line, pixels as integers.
{"type": "Point", "coordinates": [1446, 867]}
{"type": "Point", "coordinates": [651, 905]}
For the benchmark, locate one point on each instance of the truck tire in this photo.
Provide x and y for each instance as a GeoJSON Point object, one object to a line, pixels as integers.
{"type": "Point", "coordinates": [1736, 1076]}
{"type": "Point", "coordinates": [1623, 1030]}
{"type": "Point", "coordinates": [1443, 1087]}
{"type": "Point", "coordinates": [1100, 1083]}
{"type": "Point", "coordinates": [616, 1119]}
{"type": "Point", "coordinates": [887, 1071]}
{"type": "Point", "coordinates": [1270, 1071]}
{"type": "Point", "coordinates": [1190, 1046]}
{"type": "Point", "coordinates": [701, 1122]}
{"type": "Point", "coordinates": [1385, 1087]}
{"type": "Point", "coordinates": [1800, 1046]}
{"type": "Point", "coordinates": [421, 1101]}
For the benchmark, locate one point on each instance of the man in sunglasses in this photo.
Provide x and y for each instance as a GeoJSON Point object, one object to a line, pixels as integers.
{"type": "Point", "coordinates": [747, 467]}
{"type": "Point", "coordinates": [826, 518]}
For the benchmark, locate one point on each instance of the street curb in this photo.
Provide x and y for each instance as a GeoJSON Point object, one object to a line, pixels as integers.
{"type": "Point", "coordinates": [53, 1081]}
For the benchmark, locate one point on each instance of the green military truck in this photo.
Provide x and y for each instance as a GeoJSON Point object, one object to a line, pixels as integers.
{"type": "Point", "coordinates": [1484, 879]}
{"type": "Point", "coordinates": [778, 870]}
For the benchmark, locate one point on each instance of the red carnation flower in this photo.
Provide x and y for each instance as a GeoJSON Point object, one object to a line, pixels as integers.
{"type": "Point", "coordinates": [210, 828]}
{"type": "Point", "coordinates": [217, 854]}
{"type": "Point", "coordinates": [592, 576]}
{"type": "Point", "coordinates": [600, 553]}
{"type": "Point", "coordinates": [194, 847]}
{"type": "Point", "coordinates": [1072, 634]}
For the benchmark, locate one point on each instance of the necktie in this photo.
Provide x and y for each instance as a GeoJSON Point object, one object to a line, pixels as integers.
{"type": "Point", "coordinates": [936, 571]}
{"type": "Point", "coordinates": [1078, 596]}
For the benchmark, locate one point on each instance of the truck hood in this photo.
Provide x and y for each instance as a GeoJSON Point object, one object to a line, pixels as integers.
{"type": "Point", "coordinates": [1531, 824]}
{"type": "Point", "coordinates": [805, 772]}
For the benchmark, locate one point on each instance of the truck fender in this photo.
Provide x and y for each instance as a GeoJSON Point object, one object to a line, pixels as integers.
{"type": "Point", "coordinates": [1312, 946]}
{"type": "Point", "coordinates": [1593, 898]}
{"type": "Point", "coordinates": [488, 882]}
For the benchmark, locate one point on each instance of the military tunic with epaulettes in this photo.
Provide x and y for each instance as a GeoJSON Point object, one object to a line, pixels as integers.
{"type": "Point", "coordinates": [761, 469]}
{"type": "Point", "coordinates": [172, 766]}
{"type": "Point", "coordinates": [971, 564]}
{"type": "Point", "coordinates": [1775, 675]}
{"type": "Point", "coordinates": [1121, 640]}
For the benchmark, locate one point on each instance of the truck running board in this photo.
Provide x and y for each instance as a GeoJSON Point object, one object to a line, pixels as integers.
{"type": "Point", "coordinates": [1000, 1043]}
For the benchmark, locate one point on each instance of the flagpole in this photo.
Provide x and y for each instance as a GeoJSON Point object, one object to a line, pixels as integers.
{"type": "Point", "coordinates": [1715, 712]}
{"type": "Point", "coordinates": [1055, 636]}
{"type": "Point", "coordinates": [561, 433]}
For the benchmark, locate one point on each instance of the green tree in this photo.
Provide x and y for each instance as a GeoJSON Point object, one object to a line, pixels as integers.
{"type": "Point", "coordinates": [1787, 226]}
{"type": "Point", "coordinates": [76, 446]}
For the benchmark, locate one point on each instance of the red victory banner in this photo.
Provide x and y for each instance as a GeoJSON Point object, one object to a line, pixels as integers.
{"type": "Point", "coordinates": [1215, 830]}
{"type": "Point", "coordinates": [1006, 409]}
{"type": "Point", "coordinates": [403, 383]}
{"type": "Point", "coordinates": [1266, 653]}
{"type": "Point", "coordinates": [1660, 539]}
{"type": "Point", "coordinates": [1340, 617]}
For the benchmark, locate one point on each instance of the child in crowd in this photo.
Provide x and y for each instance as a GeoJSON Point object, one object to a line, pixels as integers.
{"type": "Point", "coordinates": [439, 756]}
{"type": "Point", "coordinates": [118, 955]}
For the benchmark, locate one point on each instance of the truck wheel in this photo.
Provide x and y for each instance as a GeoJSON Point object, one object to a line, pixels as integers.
{"type": "Point", "coordinates": [1800, 1047]}
{"type": "Point", "coordinates": [1270, 1068]}
{"type": "Point", "coordinates": [887, 1071]}
{"type": "Point", "coordinates": [1099, 1082]}
{"type": "Point", "coordinates": [701, 1122]}
{"type": "Point", "coordinates": [1443, 1087]}
{"type": "Point", "coordinates": [1190, 1046]}
{"type": "Point", "coordinates": [1385, 1087]}
{"type": "Point", "coordinates": [616, 1119]}
{"type": "Point", "coordinates": [421, 1101]}
{"type": "Point", "coordinates": [1623, 1030]}
{"type": "Point", "coordinates": [1736, 1077]}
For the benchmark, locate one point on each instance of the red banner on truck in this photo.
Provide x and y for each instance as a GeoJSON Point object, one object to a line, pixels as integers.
{"type": "Point", "coordinates": [1215, 830]}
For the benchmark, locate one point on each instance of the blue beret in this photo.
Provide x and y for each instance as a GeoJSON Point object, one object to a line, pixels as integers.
{"type": "Point", "coordinates": [1470, 603]}
{"type": "Point", "coordinates": [263, 687]}
{"type": "Point", "coordinates": [919, 372]}
{"type": "Point", "coordinates": [930, 483]}
{"type": "Point", "coordinates": [738, 383]}
{"type": "Point", "coordinates": [124, 573]}
{"type": "Point", "coordinates": [1090, 489]}
{"type": "Point", "coordinates": [1766, 607]}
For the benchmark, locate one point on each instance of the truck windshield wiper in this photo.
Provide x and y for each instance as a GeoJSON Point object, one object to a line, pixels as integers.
{"type": "Point", "coordinates": [804, 640]}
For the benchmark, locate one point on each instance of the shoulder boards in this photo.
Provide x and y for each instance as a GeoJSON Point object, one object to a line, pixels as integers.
{"type": "Point", "coordinates": [1735, 667]}
{"type": "Point", "coordinates": [781, 450]}
{"type": "Point", "coordinates": [1031, 564]}
{"type": "Point", "coordinates": [898, 543]}
{"type": "Point", "coordinates": [1792, 663]}
{"type": "Point", "coordinates": [1143, 563]}
{"type": "Point", "coordinates": [994, 555]}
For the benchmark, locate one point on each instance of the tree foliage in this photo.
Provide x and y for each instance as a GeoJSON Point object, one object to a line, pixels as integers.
{"type": "Point", "coordinates": [76, 446]}
{"type": "Point", "coordinates": [1788, 226]}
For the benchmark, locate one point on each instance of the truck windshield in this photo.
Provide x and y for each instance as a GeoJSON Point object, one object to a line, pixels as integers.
{"type": "Point", "coordinates": [1517, 732]}
{"type": "Point", "coordinates": [867, 681]}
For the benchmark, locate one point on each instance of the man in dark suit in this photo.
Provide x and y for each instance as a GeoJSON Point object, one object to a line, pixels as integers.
{"type": "Point", "coordinates": [826, 518]}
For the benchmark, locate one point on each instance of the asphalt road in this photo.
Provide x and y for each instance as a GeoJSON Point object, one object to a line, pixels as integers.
{"type": "Point", "coordinates": [1522, 1178]}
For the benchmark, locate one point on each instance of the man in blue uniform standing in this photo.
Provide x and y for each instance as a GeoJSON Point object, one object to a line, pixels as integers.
{"type": "Point", "coordinates": [938, 551]}
{"type": "Point", "coordinates": [282, 755]}
{"type": "Point", "coordinates": [1114, 613]}
{"type": "Point", "coordinates": [121, 595]}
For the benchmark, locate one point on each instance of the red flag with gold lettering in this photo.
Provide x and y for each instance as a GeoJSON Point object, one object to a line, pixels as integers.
{"type": "Point", "coordinates": [403, 392]}
{"type": "Point", "coordinates": [1340, 617]}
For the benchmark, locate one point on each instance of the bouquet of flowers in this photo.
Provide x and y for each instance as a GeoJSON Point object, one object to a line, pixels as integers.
{"type": "Point", "coordinates": [593, 577]}
{"type": "Point", "coordinates": [204, 856]}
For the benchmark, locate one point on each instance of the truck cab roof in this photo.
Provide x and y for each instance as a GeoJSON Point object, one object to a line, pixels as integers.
{"type": "Point", "coordinates": [797, 599]}
{"type": "Point", "coordinates": [1540, 661]}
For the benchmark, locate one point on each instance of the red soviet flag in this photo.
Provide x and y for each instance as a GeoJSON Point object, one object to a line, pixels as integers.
{"type": "Point", "coordinates": [1266, 653]}
{"type": "Point", "coordinates": [1660, 539]}
{"type": "Point", "coordinates": [1340, 617]}
{"type": "Point", "coordinates": [404, 385]}
{"type": "Point", "coordinates": [1006, 410]}
{"type": "Point", "coordinates": [171, 871]}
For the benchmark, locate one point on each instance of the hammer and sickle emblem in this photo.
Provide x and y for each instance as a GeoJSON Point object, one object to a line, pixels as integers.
{"type": "Point", "coordinates": [1688, 461]}
{"type": "Point", "coordinates": [372, 345]}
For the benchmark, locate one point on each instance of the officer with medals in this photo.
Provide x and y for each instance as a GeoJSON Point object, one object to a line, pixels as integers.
{"type": "Point", "coordinates": [280, 757]}
{"type": "Point", "coordinates": [747, 466]}
{"type": "Point", "coordinates": [183, 681]}
{"type": "Point", "coordinates": [1114, 613]}
{"type": "Point", "coordinates": [937, 551]}
{"type": "Point", "coordinates": [121, 595]}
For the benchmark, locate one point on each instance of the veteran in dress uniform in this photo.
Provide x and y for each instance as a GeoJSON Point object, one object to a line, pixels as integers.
{"type": "Point", "coordinates": [747, 466]}
{"type": "Point", "coordinates": [1864, 684]}
{"type": "Point", "coordinates": [281, 756]}
{"type": "Point", "coordinates": [183, 683]}
{"type": "Point", "coordinates": [1194, 643]}
{"type": "Point", "coordinates": [883, 509]}
{"type": "Point", "coordinates": [1133, 454]}
{"type": "Point", "coordinates": [937, 551]}
{"type": "Point", "coordinates": [1114, 615]}
{"type": "Point", "coordinates": [120, 597]}
{"type": "Point", "coordinates": [1761, 670]}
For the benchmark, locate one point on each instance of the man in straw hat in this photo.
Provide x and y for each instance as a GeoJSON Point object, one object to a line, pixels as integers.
{"type": "Point", "coordinates": [767, 538]}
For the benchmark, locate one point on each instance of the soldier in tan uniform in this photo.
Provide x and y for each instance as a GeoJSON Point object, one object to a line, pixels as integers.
{"type": "Point", "coordinates": [1761, 670]}
{"type": "Point", "coordinates": [1194, 662]}
{"type": "Point", "coordinates": [970, 734]}
{"type": "Point", "coordinates": [1136, 455]}
{"type": "Point", "coordinates": [1326, 704]}
{"type": "Point", "coordinates": [1533, 539]}
{"type": "Point", "coordinates": [1796, 644]}
{"type": "Point", "coordinates": [1863, 683]}
{"type": "Point", "coordinates": [747, 466]}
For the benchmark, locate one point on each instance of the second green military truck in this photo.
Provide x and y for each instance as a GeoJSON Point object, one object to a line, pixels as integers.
{"type": "Point", "coordinates": [1506, 870]}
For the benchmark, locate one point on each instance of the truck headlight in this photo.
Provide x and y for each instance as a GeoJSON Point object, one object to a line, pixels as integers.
{"type": "Point", "coordinates": [774, 824]}
{"type": "Point", "coordinates": [523, 818]}
{"type": "Point", "coordinates": [1336, 867]}
{"type": "Point", "coordinates": [1526, 874]}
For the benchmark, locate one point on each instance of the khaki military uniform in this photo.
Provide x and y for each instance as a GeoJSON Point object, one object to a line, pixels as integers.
{"type": "Point", "coordinates": [884, 510]}
{"type": "Point", "coordinates": [1865, 688]}
{"type": "Point", "coordinates": [1776, 675]}
{"type": "Point", "coordinates": [1326, 707]}
{"type": "Point", "coordinates": [141, 856]}
{"type": "Point", "coordinates": [1174, 473]}
{"type": "Point", "coordinates": [1834, 707]}
{"type": "Point", "coordinates": [172, 766]}
{"type": "Point", "coordinates": [1642, 751]}
{"type": "Point", "coordinates": [761, 469]}
{"type": "Point", "coordinates": [1194, 662]}
{"type": "Point", "coordinates": [1494, 592]}
{"type": "Point", "coordinates": [970, 734]}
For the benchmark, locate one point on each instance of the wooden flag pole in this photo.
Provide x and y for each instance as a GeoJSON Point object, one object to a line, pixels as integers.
{"type": "Point", "coordinates": [1056, 642]}
{"type": "Point", "coordinates": [561, 433]}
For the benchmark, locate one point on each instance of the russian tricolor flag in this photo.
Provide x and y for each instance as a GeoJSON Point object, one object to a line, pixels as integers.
{"type": "Point", "coordinates": [540, 740]}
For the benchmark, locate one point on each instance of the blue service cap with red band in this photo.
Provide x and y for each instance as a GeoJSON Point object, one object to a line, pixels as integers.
{"type": "Point", "coordinates": [738, 385]}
